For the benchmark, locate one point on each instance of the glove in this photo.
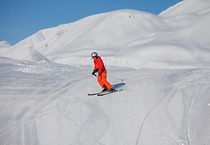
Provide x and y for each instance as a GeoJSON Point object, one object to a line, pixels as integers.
{"type": "Point", "coordinates": [94, 71]}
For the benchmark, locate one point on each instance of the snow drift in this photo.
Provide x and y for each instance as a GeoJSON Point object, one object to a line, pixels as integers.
{"type": "Point", "coordinates": [177, 38]}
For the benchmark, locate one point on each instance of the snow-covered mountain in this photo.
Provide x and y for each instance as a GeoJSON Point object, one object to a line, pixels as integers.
{"type": "Point", "coordinates": [177, 38]}
{"type": "Point", "coordinates": [186, 7]}
{"type": "Point", "coordinates": [4, 44]}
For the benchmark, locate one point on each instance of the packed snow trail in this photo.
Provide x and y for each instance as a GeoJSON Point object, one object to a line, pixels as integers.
{"type": "Point", "coordinates": [46, 103]}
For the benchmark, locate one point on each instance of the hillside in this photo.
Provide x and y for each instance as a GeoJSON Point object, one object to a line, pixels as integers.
{"type": "Point", "coordinates": [177, 38]}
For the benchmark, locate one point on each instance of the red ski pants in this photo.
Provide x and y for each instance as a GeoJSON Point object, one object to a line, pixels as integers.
{"type": "Point", "coordinates": [102, 80]}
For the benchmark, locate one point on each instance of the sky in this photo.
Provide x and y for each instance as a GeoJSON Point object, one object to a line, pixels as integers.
{"type": "Point", "coordinates": [20, 19]}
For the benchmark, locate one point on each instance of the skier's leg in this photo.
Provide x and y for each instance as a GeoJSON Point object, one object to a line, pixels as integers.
{"type": "Point", "coordinates": [101, 83]}
{"type": "Point", "coordinates": [108, 85]}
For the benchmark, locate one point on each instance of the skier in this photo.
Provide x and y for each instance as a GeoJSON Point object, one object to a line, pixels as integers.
{"type": "Point", "coordinates": [100, 68]}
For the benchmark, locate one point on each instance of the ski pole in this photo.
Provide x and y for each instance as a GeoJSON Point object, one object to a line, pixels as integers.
{"type": "Point", "coordinates": [111, 77]}
{"type": "Point", "coordinates": [115, 78]}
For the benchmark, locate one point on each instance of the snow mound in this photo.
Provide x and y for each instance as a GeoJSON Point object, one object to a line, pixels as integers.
{"type": "Point", "coordinates": [29, 54]}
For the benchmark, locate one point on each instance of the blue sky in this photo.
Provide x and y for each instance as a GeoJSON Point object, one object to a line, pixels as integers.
{"type": "Point", "coordinates": [22, 18]}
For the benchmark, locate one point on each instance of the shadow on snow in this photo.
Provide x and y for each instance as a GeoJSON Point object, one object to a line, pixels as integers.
{"type": "Point", "coordinates": [116, 86]}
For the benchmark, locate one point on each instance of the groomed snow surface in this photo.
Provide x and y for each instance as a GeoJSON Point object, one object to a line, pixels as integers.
{"type": "Point", "coordinates": [47, 104]}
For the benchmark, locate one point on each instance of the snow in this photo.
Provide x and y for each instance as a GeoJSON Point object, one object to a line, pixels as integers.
{"type": "Point", "coordinates": [47, 103]}
{"type": "Point", "coordinates": [186, 7]}
{"type": "Point", "coordinates": [160, 62]}
{"type": "Point", "coordinates": [4, 44]}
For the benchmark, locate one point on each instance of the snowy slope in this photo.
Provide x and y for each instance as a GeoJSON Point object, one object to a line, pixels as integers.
{"type": "Point", "coordinates": [177, 38]}
{"type": "Point", "coordinates": [186, 7]}
{"type": "Point", "coordinates": [108, 33]}
{"type": "Point", "coordinates": [47, 104]}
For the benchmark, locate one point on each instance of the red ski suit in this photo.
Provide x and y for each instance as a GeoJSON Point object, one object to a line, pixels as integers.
{"type": "Point", "coordinates": [98, 62]}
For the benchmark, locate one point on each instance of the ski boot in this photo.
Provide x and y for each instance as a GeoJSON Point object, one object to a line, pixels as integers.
{"type": "Point", "coordinates": [105, 89]}
{"type": "Point", "coordinates": [112, 90]}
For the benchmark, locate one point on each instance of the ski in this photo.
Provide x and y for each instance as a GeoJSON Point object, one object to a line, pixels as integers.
{"type": "Point", "coordinates": [93, 94]}
{"type": "Point", "coordinates": [103, 93]}
{"type": "Point", "coordinates": [106, 93]}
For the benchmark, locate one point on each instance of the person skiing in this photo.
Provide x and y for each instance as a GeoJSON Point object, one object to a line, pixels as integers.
{"type": "Point", "coordinates": [102, 73]}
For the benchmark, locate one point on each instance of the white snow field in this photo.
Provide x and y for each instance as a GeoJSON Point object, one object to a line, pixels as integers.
{"type": "Point", "coordinates": [47, 104]}
{"type": "Point", "coordinates": [164, 62]}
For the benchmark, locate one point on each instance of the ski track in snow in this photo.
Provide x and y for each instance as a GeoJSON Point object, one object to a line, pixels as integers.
{"type": "Point", "coordinates": [49, 105]}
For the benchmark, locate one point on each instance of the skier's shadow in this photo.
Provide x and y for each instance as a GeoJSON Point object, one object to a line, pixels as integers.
{"type": "Point", "coordinates": [116, 86]}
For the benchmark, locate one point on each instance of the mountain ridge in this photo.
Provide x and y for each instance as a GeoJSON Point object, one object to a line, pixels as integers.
{"type": "Point", "coordinates": [128, 38]}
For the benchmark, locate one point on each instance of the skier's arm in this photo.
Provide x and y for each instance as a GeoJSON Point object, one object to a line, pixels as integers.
{"type": "Point", "coordinates": [94, 71]}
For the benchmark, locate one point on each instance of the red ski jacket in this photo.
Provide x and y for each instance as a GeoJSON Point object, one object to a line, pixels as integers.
{"type": "Point", "coordinates": [99, 65]}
